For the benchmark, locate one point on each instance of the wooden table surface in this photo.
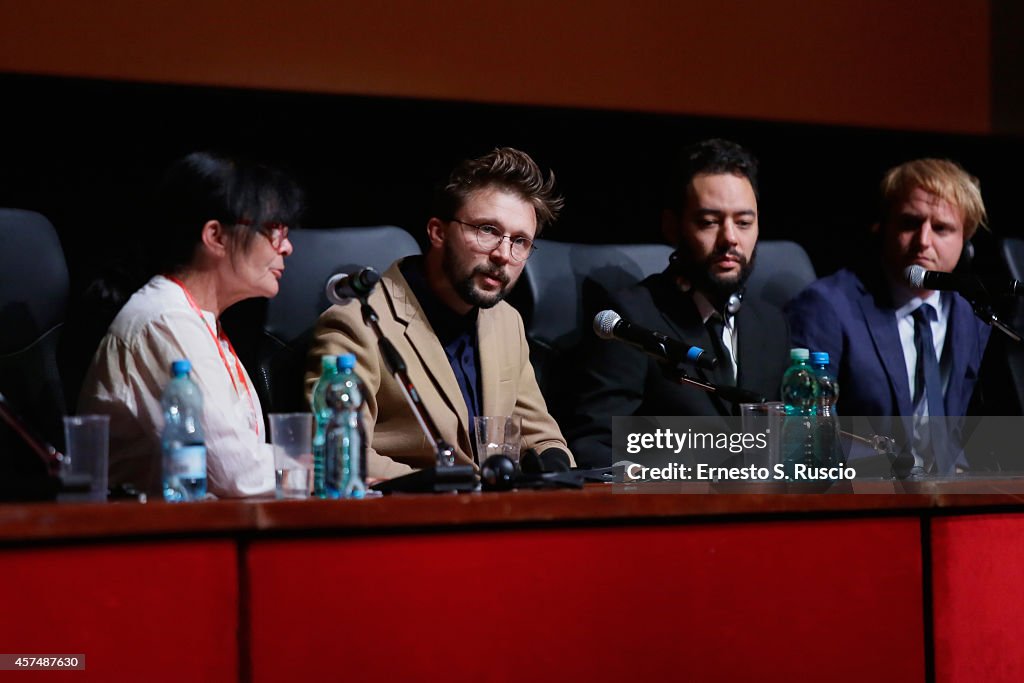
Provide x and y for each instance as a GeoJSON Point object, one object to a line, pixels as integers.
{"type": "Point", "coordinates": [599, 502]}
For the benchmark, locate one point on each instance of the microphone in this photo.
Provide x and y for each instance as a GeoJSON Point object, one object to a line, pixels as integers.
{"type": "Point", "coordinates": [610, 325]}
{"type": "Point", "coordinates": [341, 286]}
{"type": "Point", "coordinates": [971, 286]}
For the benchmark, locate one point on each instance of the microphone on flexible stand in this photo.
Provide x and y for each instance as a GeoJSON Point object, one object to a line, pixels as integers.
{"type": "Point", "coordinates": [341, 287]}
{"type": "Point", "coordinates": [970, 286]}
{"type": "Point", "coordinates": [610, 325]}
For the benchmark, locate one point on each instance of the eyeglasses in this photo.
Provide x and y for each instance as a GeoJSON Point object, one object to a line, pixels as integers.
{"type": "Point", "coordinates": [276, 233]}
{"type": "Point", "coordinates": [490, 236]}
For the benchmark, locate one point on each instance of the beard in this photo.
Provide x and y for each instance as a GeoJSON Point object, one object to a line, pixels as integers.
{"type": "Point", "coordinates": [718, 288]}
{"type": "Point", "coordinates": [463, 280]}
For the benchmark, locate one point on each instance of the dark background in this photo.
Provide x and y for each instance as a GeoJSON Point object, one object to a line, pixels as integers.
{"type": "Point", "coordinates": [87, 153]}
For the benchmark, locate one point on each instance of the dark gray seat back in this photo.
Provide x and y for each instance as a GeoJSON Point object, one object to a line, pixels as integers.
{"type": "Point", "coordinates": [292, 314]}
{"type": "Point", "coordinates": [782, 269]}
{"type": "Point", "coordinates": [33, 302]}
{"type": "Point", "coordinates": [563, 286]}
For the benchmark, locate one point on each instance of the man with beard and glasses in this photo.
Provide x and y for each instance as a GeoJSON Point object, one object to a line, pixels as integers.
{"type": "Point", "coordinates": [465, 348]}
{"type": "Point", "coordinates": [711, 216]}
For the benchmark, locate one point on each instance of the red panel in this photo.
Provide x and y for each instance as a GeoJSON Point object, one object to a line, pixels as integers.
{"type": "Point", "coordinates": [139, 612]}
{"type": "Point", "coordinates": [978, 585]}
{"type": "Point", "coordinates": [719, 602]}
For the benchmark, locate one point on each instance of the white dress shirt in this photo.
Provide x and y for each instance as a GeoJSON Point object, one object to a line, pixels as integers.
{"type": "Point", "coordinates": [127, 378]}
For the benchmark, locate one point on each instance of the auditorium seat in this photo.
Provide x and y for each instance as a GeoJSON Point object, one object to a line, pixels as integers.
{"type": "Point", "coordinates": [33, 301]}
{"type": "Point", "coordinates": [1003, 367]}
{"type": "Point", "coordinates": [292, 314]}
{"type": "Point", "coordinates": [1013, 256]}
{"type": "Point", "coordinates": [563, 285]}
{"type": "Point", "coordinates": [782, 269]}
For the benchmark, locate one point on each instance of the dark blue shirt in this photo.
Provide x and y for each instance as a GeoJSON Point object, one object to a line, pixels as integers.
{"type": "Point", "coordinates": [457, 334]}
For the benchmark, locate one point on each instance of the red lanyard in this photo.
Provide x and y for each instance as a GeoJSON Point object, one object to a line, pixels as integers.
{"type": "Point", "coordinates": [220, 338]}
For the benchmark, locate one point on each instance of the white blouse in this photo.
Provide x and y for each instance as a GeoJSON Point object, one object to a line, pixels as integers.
{"type": "Point", "coordinates": [129, 372]}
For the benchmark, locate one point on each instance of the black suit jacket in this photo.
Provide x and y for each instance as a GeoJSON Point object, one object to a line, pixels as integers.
{"type": "Point", "coordinates": [620, 380]}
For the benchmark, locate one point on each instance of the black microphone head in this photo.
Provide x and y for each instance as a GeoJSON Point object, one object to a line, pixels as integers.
{"type": "Point", "coordinates": [365, 280]}
{"type": "Point", "coordinates": [914, 276]}
{"type": "Point", "coordinates": [604, 324]}
{"type": "Point", "coordinates": [498, 473]}
{"type": "Point", "coordinates": [342, 287]}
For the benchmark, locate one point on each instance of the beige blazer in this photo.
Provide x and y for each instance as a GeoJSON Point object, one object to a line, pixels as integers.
{"type": "Point", "coordinates": [397, 445]}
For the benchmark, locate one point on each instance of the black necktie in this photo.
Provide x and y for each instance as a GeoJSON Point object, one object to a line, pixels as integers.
{"type": "Point", "coordinates": [928, 382]}
{"type": "Point", "coordinates": [715, 326]}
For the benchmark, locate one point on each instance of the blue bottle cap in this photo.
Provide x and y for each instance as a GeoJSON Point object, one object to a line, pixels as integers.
{"type": "Point", "coordinates": [180, 367]}
{"type": "Point", "coordinates": [819, 358]}
{"type": "Point", "coordinates": [346, 361]}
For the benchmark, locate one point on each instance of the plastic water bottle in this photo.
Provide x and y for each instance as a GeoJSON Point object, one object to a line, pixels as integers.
{"type": "Point", "coordinates": [322, 416]}
{"type": "Point", "coordinates": [182, 441]}
{"type": "Point", "coordinates": [829, 449]}
{"type": "Point", "coordinates": [345, 441]}
{"type": "Point", "coordinates": [800, 396]}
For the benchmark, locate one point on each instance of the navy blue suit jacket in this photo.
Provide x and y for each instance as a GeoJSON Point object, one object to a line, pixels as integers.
{"type": "Point", "coordinates": [855, 322]}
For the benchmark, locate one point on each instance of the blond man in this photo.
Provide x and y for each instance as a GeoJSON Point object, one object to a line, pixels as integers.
{"type": "Point", "coordinates": [898, 350]}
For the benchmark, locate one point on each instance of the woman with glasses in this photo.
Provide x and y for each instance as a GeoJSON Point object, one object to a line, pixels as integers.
{"type": "Point", "coordinates": [219, 235]}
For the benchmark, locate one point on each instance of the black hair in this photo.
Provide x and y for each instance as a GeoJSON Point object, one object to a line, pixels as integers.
{"type": "Point", "coordinates": [708, 157]}
{"type": "Point", "coordinates": [205, 186]}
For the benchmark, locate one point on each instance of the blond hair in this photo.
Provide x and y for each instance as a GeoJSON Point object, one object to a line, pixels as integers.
{"type": "Point", "coordinates": [943, 178]}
